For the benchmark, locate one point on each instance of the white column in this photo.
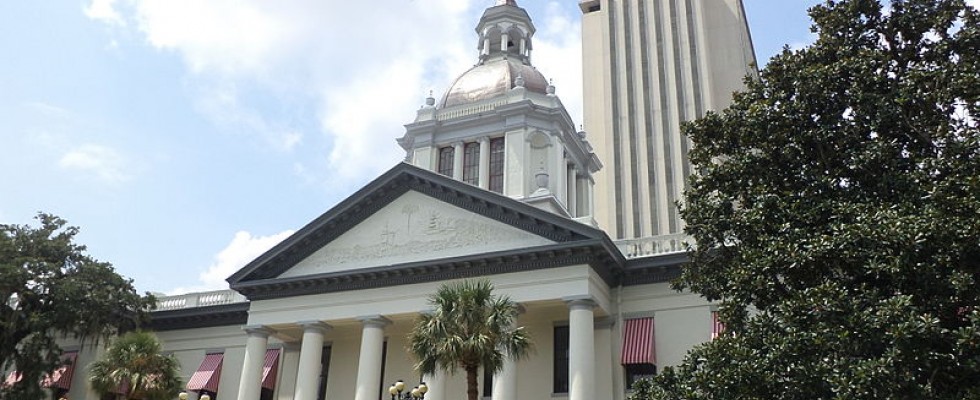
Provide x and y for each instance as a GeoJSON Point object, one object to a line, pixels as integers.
{"type": "Point", "coordinates": [505, 381]}
{"type": "Point", "coordinates": [573, 191]}
{"type": "Point", "coordinates": [250, 385]}
{"type": "Point", "coordinates": [486, 44]}
{"type": "Point", "coordinates": [369, 363]}
{"type": "Point", "coordinates": [523, 46]}
{"type": "Point", "coordinates": [581, 349]}
{"type": "Point", "coordinates": [458, 161]}
{"type": "Point", "coordinates": [485, 162]}
{"type": "Point", "coordinates": [437, 385]}
{"type": "Point", "coordinates": [289, 366]}
{"type": "Point", "coordinates": [503, 42]}
{"type": "Point", "coordinates": [590, 197]}
{"type": "Point", "coordinates": [310, 353]}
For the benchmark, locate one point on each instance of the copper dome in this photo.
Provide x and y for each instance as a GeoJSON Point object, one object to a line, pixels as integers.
{"type": "Point", "coordinates": [490, 79]}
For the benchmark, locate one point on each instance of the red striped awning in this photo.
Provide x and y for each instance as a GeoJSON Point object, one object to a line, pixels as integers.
{"type": "Point", "coordinates": [207, 375]}
{"type": "Point", "coordinates": [717, 328]}
{"type": "Point", "coordinates": [61, 377]}
{"type": "Point", "coordinates": [638, 342]}
{"type": "Point", "coordinates": [12, 378]}
{"type": "Point", "coordinates": [270, 368]}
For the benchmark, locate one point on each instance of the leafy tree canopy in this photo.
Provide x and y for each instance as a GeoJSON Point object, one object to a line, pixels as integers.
{"type": "Point", "coordinates": [469, 327]}
{"type": "Point", "coordinates": [50, 288]}
{"type": "Point", "coordinates": [837, 215]}
{"type": "Point", "coordinates": [134, 367]}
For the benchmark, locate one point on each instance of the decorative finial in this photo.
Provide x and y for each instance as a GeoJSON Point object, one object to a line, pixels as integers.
{"type": "Point", "coordinates": [551, 87]}
{"type": "Point", "coordinates": [507, 3]}
{"type": "Point", "coordinates": [519, 82]}
{"type": "Point", "coordinates": [430, 101]}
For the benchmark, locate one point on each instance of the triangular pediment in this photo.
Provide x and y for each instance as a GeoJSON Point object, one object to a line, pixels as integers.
{"type": "Point", "coordinates": [414, 222]}
{"type": "Point", "coordinates": [414, 227]}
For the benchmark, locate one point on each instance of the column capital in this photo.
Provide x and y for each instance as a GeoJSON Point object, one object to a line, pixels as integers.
{"type": "Point", "coordinates": [374, 321]}
{"type": "Point", "coordinates": [458, 143]}
{"type": "Point", "coordinates": [483, 139]}
{"type": "Point", "coordinates": [314, 326]}
{"type": "Point", "coordinates": [604, 323]}
{"type": "Point", "coordinates": [258, 330]}
{"type": "Point", "coordinates": [580, 302]}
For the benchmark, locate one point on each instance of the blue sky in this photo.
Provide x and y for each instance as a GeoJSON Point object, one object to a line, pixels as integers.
{"type": "Point", "coordinates": [185, 137]}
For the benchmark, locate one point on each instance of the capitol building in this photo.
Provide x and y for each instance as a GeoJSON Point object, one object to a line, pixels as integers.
{"type": "Point", "coordinates": [578, 226]}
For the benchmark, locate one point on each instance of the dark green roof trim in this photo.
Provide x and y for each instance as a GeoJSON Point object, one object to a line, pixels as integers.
{"type": "Point", "coordinates": [551, 256]}
{"type": "Point", "coordinates": [654, 269]}
{"type": "Point", "coordinates": [199, 317]}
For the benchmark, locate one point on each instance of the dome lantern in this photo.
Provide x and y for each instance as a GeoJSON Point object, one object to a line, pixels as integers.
{"type": "Point", "coordinates": [505, 31]}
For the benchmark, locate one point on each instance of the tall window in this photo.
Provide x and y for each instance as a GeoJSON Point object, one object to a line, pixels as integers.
{"type": "Point", "coordinates": [496, 165]}
{"type": "Point", "coordinates": [487, 383]}
{"type": "Point", "coordinates": [471, 163]}
{"type": "Point", "coordinates": [560, 368]}
{"type": "Point", "coordinates": [324, 372]}
{"type": "Point", "coordinates": [635, 372]}
{"type": "Point", "coordinates": [446, 160]}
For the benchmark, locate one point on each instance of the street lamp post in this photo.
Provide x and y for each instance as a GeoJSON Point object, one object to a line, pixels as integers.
{"type": "Point", "coordinates": [417, 393]}
{"type": "Point", "coordinates": [183, 396]}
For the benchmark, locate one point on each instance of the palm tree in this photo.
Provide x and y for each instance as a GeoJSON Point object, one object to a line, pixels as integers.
{"type": "Point", "coordinates": [134, 368]}
{"type": "Point", "coordinates": [468, 328]}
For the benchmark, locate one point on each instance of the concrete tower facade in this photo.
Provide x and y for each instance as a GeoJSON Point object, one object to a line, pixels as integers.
{"type": "Point", "coordinates": [648, 66]}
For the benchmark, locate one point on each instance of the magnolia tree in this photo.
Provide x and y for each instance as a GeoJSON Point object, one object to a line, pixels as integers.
{"type": "Point", "coordinates": [50, 289]}
{"type": "Point", "coordinates": [836, 210]}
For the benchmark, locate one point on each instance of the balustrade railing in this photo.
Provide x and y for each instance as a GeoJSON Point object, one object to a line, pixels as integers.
{"type": "Point", "coordinates": [202, 299]}
{"type": "Point", "coordinates": [653, 245]}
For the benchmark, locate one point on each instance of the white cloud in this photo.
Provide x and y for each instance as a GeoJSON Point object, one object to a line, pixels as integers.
{"type": "Point", "coordinates": [242, 249]}
{"type": "Point", "coordinates": [222, 103]}
{"type": "Point", "coordinates": [974, 3]}
{"type": "Point", "coordinates": [558, 55]}
{"type": "Point", "coordinates": [105, 163]}
{"type": "Point", "coordinates": [361, 68]}
{"type": "Point", "coordinates": [103, 10]}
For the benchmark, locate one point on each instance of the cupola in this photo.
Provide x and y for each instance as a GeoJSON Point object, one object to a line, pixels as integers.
{"type": "Point", "coordinates": [500, 126]}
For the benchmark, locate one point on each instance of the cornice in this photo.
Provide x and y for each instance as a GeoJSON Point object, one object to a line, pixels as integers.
{"type": "Point", "coordinates": [199, 317]}
{"type": "Point", "coordinates": [589, 252]}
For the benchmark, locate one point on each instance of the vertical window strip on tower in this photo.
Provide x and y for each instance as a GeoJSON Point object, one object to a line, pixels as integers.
{"type": "Point", "coordinates": [617, 173]}
{"type": "Point", "coordinates": [675, 53]}
{"type": "Point", "coordinates": [471, 163]}
{"type": "Point", "coordinates": [496, 183]}
{"type": "Point", "coordinates": [446, 160]}
{"type": "Point", "coordinates": [695, 69]}
{"type": "Point", "coordinates": [631, 108]}
{"type": "Point", "coordinates": [650, 116]}
{"type": "Point", "coordinates": [667, 128]}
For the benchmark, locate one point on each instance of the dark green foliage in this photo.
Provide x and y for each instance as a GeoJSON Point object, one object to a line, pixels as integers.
{"type": "Point", "coordinates": [837, 215]}
{"type": "Point", "coordinates": [134, 363]}
{"type": "Point", "coordinates": [469, 327]}
{"type": "Point", "coordinates": [49, 288]}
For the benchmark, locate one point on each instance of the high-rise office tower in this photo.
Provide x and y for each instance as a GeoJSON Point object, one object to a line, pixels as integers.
{"type": "Point", "coordinates": [648, 66]}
